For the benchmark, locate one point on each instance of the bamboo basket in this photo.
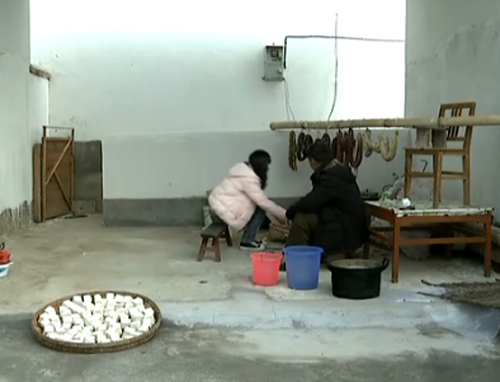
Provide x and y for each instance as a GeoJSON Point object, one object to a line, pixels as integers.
{"type": "Point", "coordinates": [83, 348]}
{"type": "Point", "coordinates": [278, 232]}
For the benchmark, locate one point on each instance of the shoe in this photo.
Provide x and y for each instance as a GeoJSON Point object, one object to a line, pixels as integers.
{"type": "Point", "coordinates": [254, 246]}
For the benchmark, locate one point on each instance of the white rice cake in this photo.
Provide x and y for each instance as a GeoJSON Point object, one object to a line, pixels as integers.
{"type": "Point", "coordinates": [149, 312]}
{"type": "Point", "coordinates": [135, 324]}
{"type": "Point", "coordinates": [50, 310]}
{"type": "Point", "coordinates": [138, 301]}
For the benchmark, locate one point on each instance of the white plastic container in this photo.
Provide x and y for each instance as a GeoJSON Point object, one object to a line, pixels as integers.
{"type": "Point", "coordinates": [4, 269]}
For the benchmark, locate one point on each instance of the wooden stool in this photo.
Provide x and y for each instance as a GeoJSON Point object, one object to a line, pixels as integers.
{"type": "Point", "coordinates": [215, 232]}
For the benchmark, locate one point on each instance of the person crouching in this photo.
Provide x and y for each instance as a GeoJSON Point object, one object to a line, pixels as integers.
{"type": "Point", "coordinates": [332, 215]}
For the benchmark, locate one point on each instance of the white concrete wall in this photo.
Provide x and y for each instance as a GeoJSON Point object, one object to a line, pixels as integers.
{"type": "Point", "coordinates": [453, 55]}
{"type": "Point", "coordinates": [38, 107]}
{"type": "Point", "coordinates": [189, 166]}
{"type": "Point", "coordinates": [150, 78]}
{"type": "Point", "coordinates": [15, 151]}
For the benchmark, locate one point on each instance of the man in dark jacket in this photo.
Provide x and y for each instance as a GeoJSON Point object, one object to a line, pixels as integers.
{"type": "Point", "coordinates": [332, 214]}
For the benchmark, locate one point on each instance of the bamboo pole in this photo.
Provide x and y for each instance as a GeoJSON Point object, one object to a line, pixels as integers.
{"type": "Point", "coordinates": [420, 123]}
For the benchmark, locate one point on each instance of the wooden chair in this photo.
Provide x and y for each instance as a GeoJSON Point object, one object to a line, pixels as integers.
{"type": "Point", "coordinates": [215, 232]}
{"type": "Point", "coordinates": [454, 134]}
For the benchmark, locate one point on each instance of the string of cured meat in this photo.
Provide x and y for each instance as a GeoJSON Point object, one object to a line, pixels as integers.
{"type": "Point", "coordinates": [347, 148]}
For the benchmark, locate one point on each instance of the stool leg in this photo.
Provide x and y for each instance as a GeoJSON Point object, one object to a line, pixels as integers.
{"type": "Point", "coordinates": [203, 248]}
{"type": "Point", "coordinates": [216, 244]}
{"type": "Point", "coordinates": [227, 235]}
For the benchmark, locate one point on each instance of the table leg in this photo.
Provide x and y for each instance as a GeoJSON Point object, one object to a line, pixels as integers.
{"type": "Point", "coordinates": [449, 252]}
{"type": "Point", "coordinates": [366, 246]}
{"type": "Point", "coordinates": [488, 246]}
{"type": "Point", "coordinates": [396, 240]}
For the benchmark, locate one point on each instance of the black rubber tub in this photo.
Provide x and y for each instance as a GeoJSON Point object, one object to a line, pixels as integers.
{"type": "Point", "coordinates": [357, 279]}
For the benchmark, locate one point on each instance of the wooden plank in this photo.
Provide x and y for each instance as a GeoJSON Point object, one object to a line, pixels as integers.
{"type": "Point", "coordinates": [432, 151]}
{"type": "Point", "coordinates": [37, 184]}
{"type": "Point", "coordinates": [58, 176]}
{"type": "Point", "coordinates": [443, 240]}
{"type": "Point", "coordinates": [440, 123]}
{"type": "Point", "coordinates": [43, 201]}
{"type": "Point", "coordinates": [214, 230]}
{"type": "Point", "coordinates": [432, 219]}
{"type": "Point", "coordinates": [62, 155]}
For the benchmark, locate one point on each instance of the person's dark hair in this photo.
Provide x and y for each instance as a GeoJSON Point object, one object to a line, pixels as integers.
{"type": "Point", "coordinates": [260, 160]}
{"type": "Point", "coordinates": [321, 153]}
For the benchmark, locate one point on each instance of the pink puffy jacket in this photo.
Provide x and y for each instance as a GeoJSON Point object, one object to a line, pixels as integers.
{"type": "Point", "coordinates": [236, 198]}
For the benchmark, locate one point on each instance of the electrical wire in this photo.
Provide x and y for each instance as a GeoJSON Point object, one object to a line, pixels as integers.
{"type": "Point", "coordinates": [336, 37]}
{"type": "Point", "coordinates": [336, 74]}
{"type": "Point", "coordinates": [288, 106]}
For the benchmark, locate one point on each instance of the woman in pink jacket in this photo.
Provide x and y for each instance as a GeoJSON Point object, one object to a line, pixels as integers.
{"type": "Point", "coordinates": [240, 200]}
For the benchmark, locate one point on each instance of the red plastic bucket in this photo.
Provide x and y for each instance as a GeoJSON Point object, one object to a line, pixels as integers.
{"type": "Point", "coordinates": [4, 255]}
{"type": "Point", "coordinates": [266, 268]}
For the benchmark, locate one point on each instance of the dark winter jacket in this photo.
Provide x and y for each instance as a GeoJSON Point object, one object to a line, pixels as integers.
{"type": "Point", "coordinates": [337, 201]}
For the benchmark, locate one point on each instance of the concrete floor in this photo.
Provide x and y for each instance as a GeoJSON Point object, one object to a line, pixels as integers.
{"type": "Point", "coordinates": [219, 327]}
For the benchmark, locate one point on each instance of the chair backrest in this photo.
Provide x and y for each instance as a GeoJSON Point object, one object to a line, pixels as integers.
{"type": "Point", "coordinates": [458, 133]}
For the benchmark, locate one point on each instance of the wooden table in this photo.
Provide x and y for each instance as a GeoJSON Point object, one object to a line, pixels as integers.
{"type": "Point", "coordinates": [423, 217]}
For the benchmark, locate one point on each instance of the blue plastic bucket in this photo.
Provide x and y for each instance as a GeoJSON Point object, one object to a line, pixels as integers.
{"type": "Point", "coordinates": [302, 266]}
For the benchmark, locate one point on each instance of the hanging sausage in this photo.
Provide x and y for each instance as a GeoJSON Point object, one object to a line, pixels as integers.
{"type": "Point", "coordinates": [300, 146]}
{"type": "Point", "coordinates": [326, 139]}
{"type": "Point", "coordinates": [357, 155]}
{"type": "Point", "coordinates": [349, 146]}
{"type": "Point", "coordinates": [308, 142]}
{"type": "Point", "coordinates": [292, 151]}
{"type": "Point", "coordinates": [333, 147]}
{"type": "Point", "coordinates": [340, 147]}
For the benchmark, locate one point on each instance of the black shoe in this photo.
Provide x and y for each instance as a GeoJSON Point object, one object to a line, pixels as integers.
{"type": "Point", "coordinates": [254, 246]}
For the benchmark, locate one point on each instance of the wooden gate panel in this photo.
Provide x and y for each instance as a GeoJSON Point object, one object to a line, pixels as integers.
{"type": "Point", "coordinates": [59, 200]}
{"type": "Point", "coordinates": [57, 175]}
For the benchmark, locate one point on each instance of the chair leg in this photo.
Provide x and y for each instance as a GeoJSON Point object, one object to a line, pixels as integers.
{"type": "Point", "coordinates": [488, 246]}
{"type": "Point", "coordinates": [203, 249]}
{"type": "Point", "coordinates": [216, 245]}
{"type": "Point", "coordinates": [466, 170]}
{"type": "Point", "coordinates": [408, 169]}
{"type": "Point", "coordinates": [438, 170]}
{"type": "Point", "coordinates": [227, 235]}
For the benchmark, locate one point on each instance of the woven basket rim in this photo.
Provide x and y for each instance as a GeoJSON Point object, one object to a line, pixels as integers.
{"type": "Point", "coordinates": [71, 347]}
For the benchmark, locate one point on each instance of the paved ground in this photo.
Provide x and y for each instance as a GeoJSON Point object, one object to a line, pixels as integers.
{"type": "Point", "coordinates": [219, 327]}
{"type": "Point", "coordinates": [215, 355]}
